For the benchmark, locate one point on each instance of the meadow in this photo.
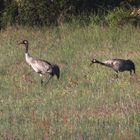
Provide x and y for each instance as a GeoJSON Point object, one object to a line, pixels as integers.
{"type": "Point", "coordinates": [87, 102]}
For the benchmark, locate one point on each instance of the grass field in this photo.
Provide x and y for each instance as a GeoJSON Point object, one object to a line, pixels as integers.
{"type": "Point", "coordinates": [87, 102]}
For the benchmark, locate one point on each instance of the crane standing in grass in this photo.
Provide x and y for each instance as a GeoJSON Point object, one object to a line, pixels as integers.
{"type": "Point", "coordinates": [40, 66]}
{"type": "Point", "coordinates": [119, 65]}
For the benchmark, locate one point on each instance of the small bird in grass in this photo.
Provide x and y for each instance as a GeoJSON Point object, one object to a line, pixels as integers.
{"type": "Point", "coordinates": [118, 65]}
{"type": "Point", "coordinates": [40, 66]}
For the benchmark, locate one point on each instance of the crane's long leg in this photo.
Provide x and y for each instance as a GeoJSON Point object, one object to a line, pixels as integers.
{"type": "Point", "coordinates": [48, 80]}
{"type": "Point", "coordinates": [41, 82]}
{"type": "Point", "coordinates": [130, 72]}
{"type": "Point", "coordinates": [41, 79]}
{"type": "Point", "coordinates": [116, 75]}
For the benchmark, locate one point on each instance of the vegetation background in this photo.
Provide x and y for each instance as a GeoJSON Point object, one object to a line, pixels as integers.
{"type": "Point", "coordinates": [87, 103]}
{"type": "Point", "coordinates": [56, 12]}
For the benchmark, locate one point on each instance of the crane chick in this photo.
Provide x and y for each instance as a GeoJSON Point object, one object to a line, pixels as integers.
{"type": "Point", "coordinates": [118, 65]}
{"type": "Point", "coordinates": [40, 66]}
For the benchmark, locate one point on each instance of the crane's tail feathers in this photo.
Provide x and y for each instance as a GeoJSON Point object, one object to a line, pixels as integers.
{"type": "Point", "coordinates": [56, 71]}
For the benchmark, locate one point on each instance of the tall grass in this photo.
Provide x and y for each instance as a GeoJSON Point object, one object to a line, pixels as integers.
{"type": "Point", "coordinates": [87, 103]}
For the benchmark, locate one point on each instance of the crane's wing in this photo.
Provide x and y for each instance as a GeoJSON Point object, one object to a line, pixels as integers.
{"type": "Point", "coordinates": [108, 63]}
{"type": "Point", "coordinates": [41, 66]}
{"type": "Point", "coordinates": [113, 62]}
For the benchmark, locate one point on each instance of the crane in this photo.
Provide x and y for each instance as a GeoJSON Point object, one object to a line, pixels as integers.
{"type": "Point", "coordinates": [118, 65]}
{"type": "Point", "coordinates": [40, 66]}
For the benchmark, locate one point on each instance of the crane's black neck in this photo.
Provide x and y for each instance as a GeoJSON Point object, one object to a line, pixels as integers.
{"type": "Point", "coordinates": [99, 62]}
{"type": "Point", "coordinates": [26, 48]}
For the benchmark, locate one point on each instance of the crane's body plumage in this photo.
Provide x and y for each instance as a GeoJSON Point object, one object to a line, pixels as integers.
{"type": "Point", "coordinates": [40, 66]}
{"type": "Point", "coordinates": [118, 65]}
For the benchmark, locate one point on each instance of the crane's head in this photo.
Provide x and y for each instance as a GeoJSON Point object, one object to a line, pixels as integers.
{"type": "Point", "coordinates": [25, 45]}
{"type": "Point", "coordinates": [25, 42]}
{"type": "Point", "coordinates": [93, 61]}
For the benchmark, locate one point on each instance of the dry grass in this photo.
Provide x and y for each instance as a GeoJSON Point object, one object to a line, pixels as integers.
{"type": "Point", "coordinates": [87, 102]}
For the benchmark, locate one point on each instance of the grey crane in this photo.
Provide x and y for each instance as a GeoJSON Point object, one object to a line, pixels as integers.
{"type": "Point", "coordinates": [40, 66]}
{"type": "Point", "coordinates": [118, 65]}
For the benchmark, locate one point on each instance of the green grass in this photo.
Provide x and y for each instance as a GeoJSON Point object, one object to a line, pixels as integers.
{"type": "Point", "coordinates": [87, 103]}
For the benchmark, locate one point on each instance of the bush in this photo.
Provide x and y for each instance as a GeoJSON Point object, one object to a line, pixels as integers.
{"type": "Point", "coordinates": [1, 11]}
{"type": "Point", "coordinates": [43, 12]}
{"type": "Point", "coordinates": [116, 16]}
{"type": "Point", "coordinates": [55, 12]}
{"type": "Point", "coordinates": [9, 14]}
{"type": "Point", "coordinates": [33, 12]}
